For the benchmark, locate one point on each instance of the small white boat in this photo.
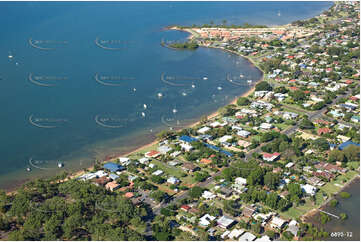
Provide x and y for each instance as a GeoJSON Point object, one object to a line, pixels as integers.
{"type": "Point", "coordinates": [10, 56]}
{"type": "Point", "coordinates": [249, 81]}
{"type": "Point", "coordinates": [205, 78]}
{"type": "Point", "coordinates": [60, 165]}
{"type": "Point", "coordinates": [134, 89]}
{"type": "Point", "coordinates": [241, 76]}
{"type": "Point", "coordinates": [28, 169]}
{"type": "Point", "coordinates": [145, 106]}
{"type": "Point", "coordinates": [174, 110]}
{"type": "Point", "coordinates": [160, 95]}
{"type": "Point", "coordinates": [184, 94]}
{"type": "Point", "coordinates": [143, 114]}
{"type": "Point", "coordinates": [219, 88]}
{"type": "Point", "coordinates": [193, 86]}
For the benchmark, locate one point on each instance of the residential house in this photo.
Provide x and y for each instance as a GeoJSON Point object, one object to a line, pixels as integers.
{"type": "Point", "coordinates": [248, 211]}
{"type": "Point", "coordinates": [206, 220]}
{"type": "Point", "coordinates": [225, 222]}
{"type": "Point", "coordinates": [208, 195]}
{"type": "Point", "coordinates": [152, 154]}
{"type": "Point", "coordinates": [277, 223]}
{"type": "Point", "coordinates": [173, 180]}
{"type": "Point", "coordinates": [247, 237]}
{"type": "Point", "coordinates": [224, 193]}
{"type": "Point", "coordinates": [309, 189]}
{"type": "Point", "coordinates": [271, 157]}
{"type": "Point", "coordinates": [187, 166]}
{"type": "Point", "coordinates": [112, 186]}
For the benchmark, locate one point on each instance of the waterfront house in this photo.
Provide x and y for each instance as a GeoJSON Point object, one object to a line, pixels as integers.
{"type": "Point", "coordinates": [164, 149]}
{"type": "Point", "coordinates": [152, 154]}
{"type": "Point", "coordinates": [203, 130]}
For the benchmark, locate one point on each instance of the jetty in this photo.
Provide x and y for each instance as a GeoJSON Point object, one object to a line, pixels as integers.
{"type": "Point", "coordinates": [333, 215]}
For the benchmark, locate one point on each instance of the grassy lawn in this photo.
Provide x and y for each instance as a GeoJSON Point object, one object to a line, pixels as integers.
{"type": "Point", "coordinates": [173, 171]}
{"type": "Point", "coordinates": [140, 153]}
{"type": "Point", "coordinates": [353, 164]}
{"type": "Point", "coordinates": [282, 126]}
{"type": "Point", "coordinates": [330, 188]}
{"type": "Point", "coordinates": [296, 212]}
{"type": "Point", "coordinates": [293, 111]}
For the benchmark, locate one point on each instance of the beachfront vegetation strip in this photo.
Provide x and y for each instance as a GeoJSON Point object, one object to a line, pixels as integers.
{"type": "Point", "coordinates": [253, 172]}
{"type": "Point", "coordinates": [185, 45]}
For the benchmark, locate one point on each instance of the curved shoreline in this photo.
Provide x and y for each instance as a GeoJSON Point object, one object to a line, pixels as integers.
{"type": "Point", "coordinates": [210, 116]}
{"type": "Point", "coordinates": [152, 142]}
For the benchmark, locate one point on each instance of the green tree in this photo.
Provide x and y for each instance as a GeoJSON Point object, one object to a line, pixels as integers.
{"type": "Point", "coordinates": [195, 192]}
{"type": "Point", "coordinates": [243, 101]}
{"type": "Point", "coordinates": [263, 86]}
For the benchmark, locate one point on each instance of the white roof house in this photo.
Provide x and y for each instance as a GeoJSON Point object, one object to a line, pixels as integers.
{"type": "Point", "coordinates": [264, 238]}
{"type": "Point", "coordinates": [289, 165]}
{"type": "Point", "coordinates": [237, 127]}
{"type": "Point", "coordinates": [309, 189]}
{"type": "Point", "coordinates": [277, 222]}
{"type": "Point", "coordinates": [215, 124]}
{"type": "Point", "coordinates": [203, 130]}
{"type": "Point", "coordinates": [247, 237]}
{"type": "Point", "coordinates": [243, 133]}
{"type": "Point", "coordinates": [175, 153]}
{"type": "Point", "coordinates": [225, 138]}
{"type": "Point", "coordinates": [186, 146]}
{"type": "Point", "coordinates": [241, 181]}
{"type": "Point", "coordinates": [206, 220]}
{"type": "Point", "coordinates": [225, 234]}
{"type": "Point", "coordinates": [208, 195]}
{"type": "Point", "coordinates": [164, 149]}
{"type": "Point", "coordinates": [143, 160]}
{"type": "Point", "coordinates": [266, 126]}
{"type": "Point", "coordinates": [123, 159]}
{"type": "Point", "coordinates": [100, 173]}
{"type": "Point", "coordinates": [225, 222]}
{"type": "Point", "coordinates": [87, 176]}
{"type": "Point", "coordinates": [235, 233]}
{"type": "Point", "coordinates": [173, 180]}
{"type": "Point", "coordinates": [157, 173]}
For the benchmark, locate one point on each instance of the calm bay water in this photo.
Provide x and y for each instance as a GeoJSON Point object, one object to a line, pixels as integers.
{"type": "Point", "coordinates": [65, 98]}
{"type": "Point", "coordinates": [349, 228]}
